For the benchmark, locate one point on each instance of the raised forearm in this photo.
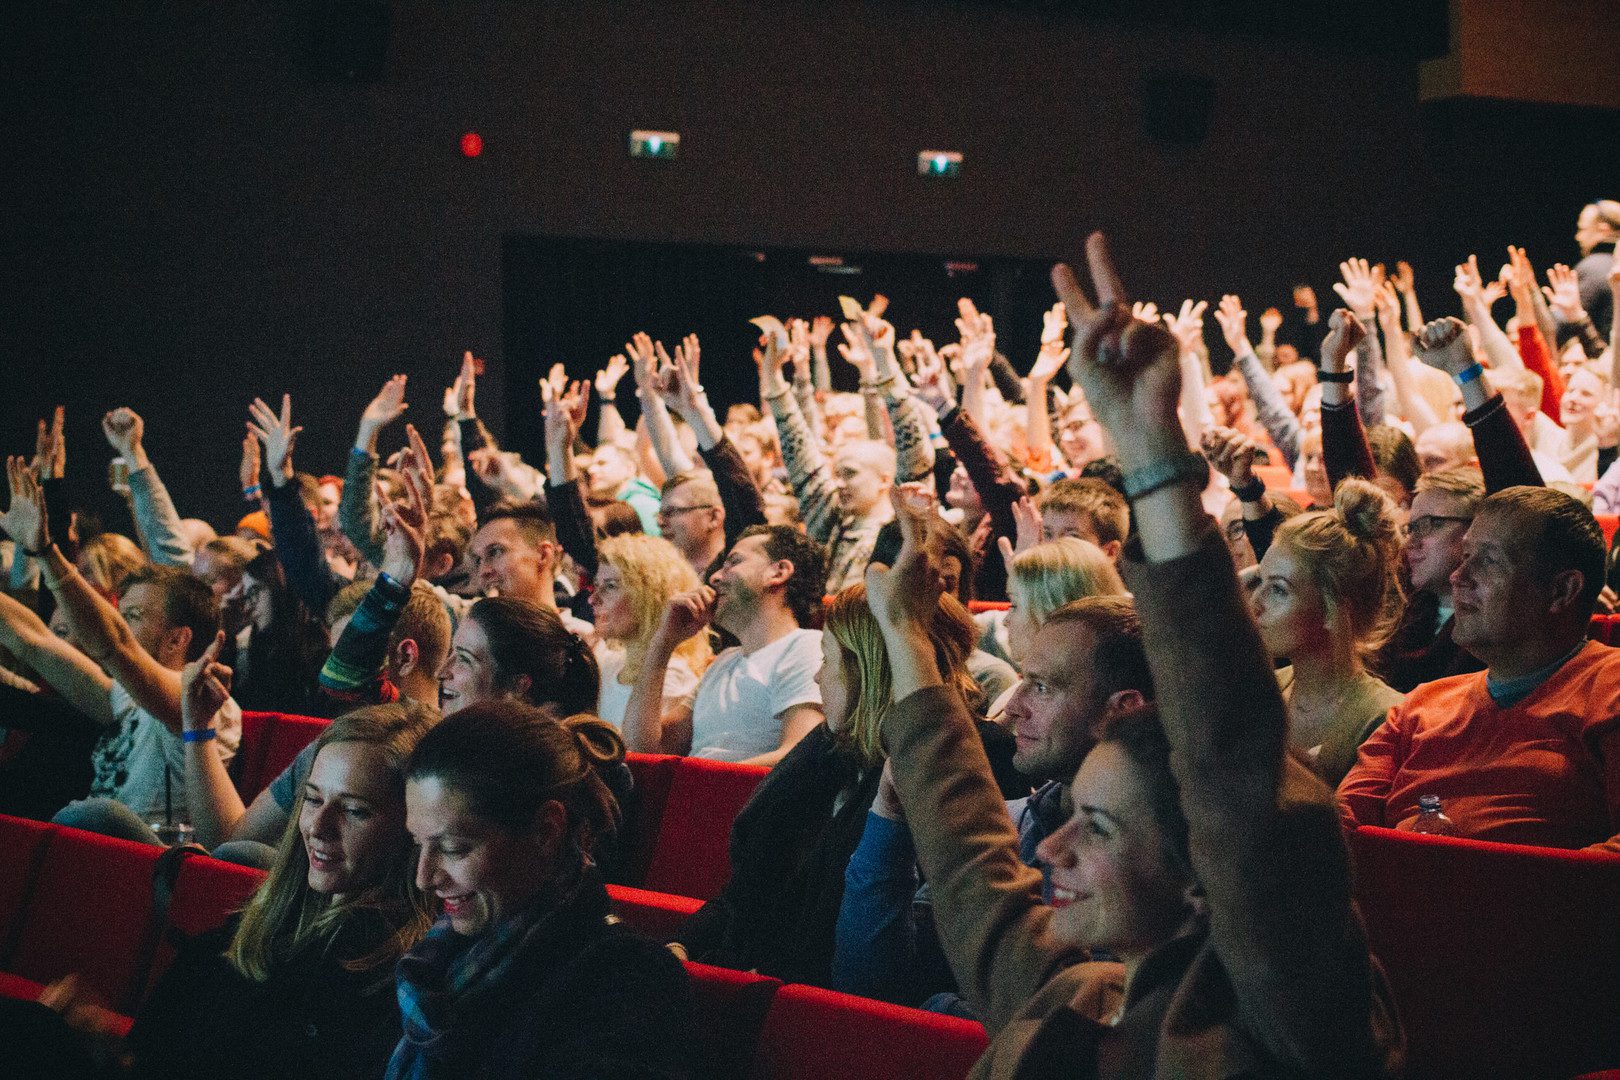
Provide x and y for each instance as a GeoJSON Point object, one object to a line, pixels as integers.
{"type": "Point", "coordinates": [643, 727]}
{"type": "Point", "coordinates": [671, 454]}
{"type": "Point", "coordinates": [357, 511]}
{"type": "Point", "coordinates": [609, 424]}
{"type": "Point", "coordinates": [159, 521]}
{"type": "Point", "coordinates": [216, 807]}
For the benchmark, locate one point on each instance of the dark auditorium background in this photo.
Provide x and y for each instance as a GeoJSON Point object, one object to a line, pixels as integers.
{"type": "Point", "coordinates": [202, 202]}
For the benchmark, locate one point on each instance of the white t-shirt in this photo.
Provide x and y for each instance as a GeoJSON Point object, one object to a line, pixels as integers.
{"type": "Point", "coordinates": [130, 760]}
{"type": "Point", "coordinates": [680, 685]}
{"type": "Point", "coordinates": [740, 702]}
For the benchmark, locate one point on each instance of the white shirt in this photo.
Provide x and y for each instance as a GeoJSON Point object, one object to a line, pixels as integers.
{"type": "Point", "coordinates": [680, 685]}
{"type": "Point", "coordinates": [740, 702]}
{"type": "Point", "coordinates": [130, 760]}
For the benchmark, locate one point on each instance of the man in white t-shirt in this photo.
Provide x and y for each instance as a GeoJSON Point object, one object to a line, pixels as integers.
{"type": "Point", "coordinates": [756, 700]}
{"type": "Point", "coordinates": [124, 673]}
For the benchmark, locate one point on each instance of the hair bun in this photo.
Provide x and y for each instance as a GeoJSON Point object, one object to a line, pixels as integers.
{"type": "Point", "coordinates": [1367, 512]}
{"type": "Point", "coordinates": [598, 740]}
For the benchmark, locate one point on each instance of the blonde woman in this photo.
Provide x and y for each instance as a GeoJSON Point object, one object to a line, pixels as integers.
{"type": "Point", "coordinates": [1327, 599]}
{"type": "Point", "coordinates": [636, 577]}
{"type": "Point", "coordinates": [301, 982]}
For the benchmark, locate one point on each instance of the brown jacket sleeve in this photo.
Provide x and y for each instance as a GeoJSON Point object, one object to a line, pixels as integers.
{"type": "Point", "coordinates": [1263, 832]}
{"type": "Point", "coordinates": [1504, 457]}
{"type": "Point", "coordinates": [1345, 451]}
{"type": "Point", "coordinates": [987, 903]}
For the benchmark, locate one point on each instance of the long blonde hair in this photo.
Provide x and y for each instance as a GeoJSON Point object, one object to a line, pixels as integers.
{"type": "Point", "coordinates": [1053, 573]}
{"type": "Point", "coordinates": [285, 918]}
{"type": "Point", "coordinates": [866, 663]}
{"type": "Point", "coordinates": [654, 572]}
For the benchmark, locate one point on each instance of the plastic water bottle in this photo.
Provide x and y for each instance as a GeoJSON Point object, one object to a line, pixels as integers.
{"type": "Point", "coordinates": [1431, 819]}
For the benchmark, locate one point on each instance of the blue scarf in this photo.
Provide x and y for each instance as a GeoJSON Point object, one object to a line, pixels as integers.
{"type": "Point", "coordinates": [448, 976]}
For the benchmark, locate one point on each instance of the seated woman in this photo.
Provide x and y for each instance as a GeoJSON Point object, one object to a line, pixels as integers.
{"type": "Point", "coordinates": [525, 973]}
{"type": "Point", "coordinates": [300, 982]}
{"type": "Point", "coordinates": [1327, 599]}
{"type": "Point", "coordinates": [636, 576]}
{"type": "Point", "coordinates": [278, 666]}
{"type": "Point", "coordinates": [1241, 957]}
{"type": "Point", "coordinates": [791, 843]}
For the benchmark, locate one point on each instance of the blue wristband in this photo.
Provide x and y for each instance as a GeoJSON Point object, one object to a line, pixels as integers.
{"type": "Point", "coordinates": [199, 735]}
{"type": "Point", "coordinates": [1468, 374]}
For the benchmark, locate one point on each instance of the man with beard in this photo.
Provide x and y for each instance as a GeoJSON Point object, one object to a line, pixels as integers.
{"type": "Point", "coordinates": [760, 698]}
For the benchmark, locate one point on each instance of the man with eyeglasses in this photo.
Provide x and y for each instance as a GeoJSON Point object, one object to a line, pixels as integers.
{"type": "Point", "coordinates": [1422, 648]}
{"type": "Point", "coordinates": [692, 517]}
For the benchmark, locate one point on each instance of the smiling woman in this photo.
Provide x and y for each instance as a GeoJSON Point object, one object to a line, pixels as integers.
{"type": "Point", "coordinates": [525, 972]}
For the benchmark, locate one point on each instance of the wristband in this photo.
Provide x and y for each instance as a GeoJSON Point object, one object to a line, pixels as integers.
{"type": "Point", "coordinates": [1253, 491]}
{"type": "Point", "coordinates": [1346, 377]}
{"type": "Point", "coordinates": [1182, 468]}
{"type": "Point", "coordinates": [607, 398]}
{"type": "Point", "coordinates": [1468, 374]}
{"type": "Point", "coordinates": [199, 735]}
{"type": "Point", "coordinates": [251, 491]}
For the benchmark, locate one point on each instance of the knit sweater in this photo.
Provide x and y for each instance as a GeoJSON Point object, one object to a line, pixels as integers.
{"type": "Point", "coordinates": [1545, 771]}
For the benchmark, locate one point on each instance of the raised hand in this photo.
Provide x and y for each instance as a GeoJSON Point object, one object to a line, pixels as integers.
{"type": "Point", "coordinates": [1387, 303]}
{"type": "Point", "coordinates": [1234, 323]}
{"type": "Point", "coordinates": [1145, 311]}
{"type": "Point", "coordinates": [1404, 280]}
{"type": "Point", "coordinates": [1563, 293]}
{"type": "Point", "coordinates": [561, 419]}
{"type": "Point", "coordinates": [278, 435]}
{"type": "Point", "coordinates": [389, 404]}
{"type": "Point", "coordinates": [459, 400]}
{"type": "Point", "coordinates": [643, 362]}
{"type": "Point", "coordinates": [1270, 321]}
{"type": "Point", "coordinates": [1471, 288]}
{"type": "Point", "coordinates": [1305, 299]}
{"type": "Point", "coordinates": [205, 687]}
{"type": "Point", "coordinates": [1028, 522]}
{"type": "Point", "coordinates": [558, 378]}
{"type": "Point", "coordinates": [1443, 344]}
{"type": "Point", "coordinates": [1129, 369]}
{"type": "Point", "coordinates": [688, 613]}
{"type": "Point", "coordinates": [1187, 325]}
{"type": "Point", "coordinates": [1359, 288]}
{"type": "Point", "coordinates": [50, 447]}
{"type": "Point", "coordinates": [1520, 278]}
{"type": "Point", "coordinates": [821, 329]}
{"type": "Point", "coordinates": [932, 381]}
{"type": "Point", "coordinates": [607, 379]}
{"type": "Point", "coordinates": [1054, 325]}
{"type": "Point", "coordinates": [904, 597]}
{"type": "Point", "coordinates": [1048, 362]}
{"type": "Point", "coordinates": [404, 524]}
{"type": "Point", "coordinates": [25, 521]}
{"type": "Point", "coordinates": [978, 333]}
{"type": "Point", "coordinates": [855, 352]}
{"type": "Point", "coordinates": [124, 430]}
{"type": "Point", "coordinates": [1232, 454]}
{"type": "Point", "coordinates": [1345, 332]}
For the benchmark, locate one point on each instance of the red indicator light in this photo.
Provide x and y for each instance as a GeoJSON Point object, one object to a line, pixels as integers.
{"type": "Point", "coordinates": [472, 144]}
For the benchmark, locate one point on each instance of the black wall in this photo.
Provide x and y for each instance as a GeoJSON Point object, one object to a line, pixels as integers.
{"type": "Point", "coordinates": [190, 217]}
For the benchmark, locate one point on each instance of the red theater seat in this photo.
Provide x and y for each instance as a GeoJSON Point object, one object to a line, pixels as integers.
{"type": "Point", "coordinates": [270, 742]}
{"type": "Point", "coordinates": [692, 856]}
{"type": "Point", "coordinates": [730, 1007]}
{"type": "Point", "coordinates": [643, 815]}
{"type": "Point", "coordinates": [22, 846]}
{"type": "Point", "coordinates": [1608, 523]}
{"type": "Point", "coordinates": [90, 913]}
{"type": "Point", "coordinates": [1504, 960]}
{"type": "Point", "coordinates": [815, 1034]}
{"type": "Point", "coordinates": [653, 914]}
{"type": "Point", "coordinates": [206, 892]}
{"type": "Point", "coordinates": [1604, 628]}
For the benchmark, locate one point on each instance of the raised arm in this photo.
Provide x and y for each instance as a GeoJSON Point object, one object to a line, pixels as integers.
{"type": "Point", "coordinates": [1345, 451]}
{"type": "Point", "coordinates": [978, 351]}
{"type": "Point", "coordinates": [1275, 415]}
{"type": "Point", "coordinates": [609, 424]}
{"type": "Point", "coordinates": [216, 807]}
{"type": "Point", "coordinates": [1405, 282]}
{"type": "Point", "coordinates": [1535, 340]}
{"type": "Point", "coordinates": [1263, 834]}
{"type": "Point", "coordinates": [1477, 297]}
{"type": "Point", "coordinates": [1187, 327]}
{"type": "Point", "coordinates": [1563, 294]}
{"type": "Point", "coordinates": [1037, 412]}
{"type": "Point", "coordinates": [357, 512]}
{"type": "Point", "coordinates": [811, 475]}
{"type": "Point", "coordinates": [648, 729]}
{"type": "Point", "coordinates": [292, 526]}
{"type": "Point", "coordinates": [575, 530]}
{"type": "Point", "coordinates": [1504, 458]}
{"type": "Point", "coordinates": [1411, 404]}
{"type": "Point", "coordinates": [914, 453]}
{"type": "Point", "coordinates": [644, 363]}
{"type": "Point", "coordinates": [155, 515]}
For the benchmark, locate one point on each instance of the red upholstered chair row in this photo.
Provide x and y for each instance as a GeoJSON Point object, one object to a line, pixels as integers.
{"type": "Point", "coordinates": [76, 902]}
{"type": "Point", "coordinates": [678, 826]}
{"type": "Point", "coordinates": [1504, 960]}
{"type": "Point", "coordinates": [270, 741]}
{"type": "Point", "coordinates": [1608, 523]}
{"type": "Point", "coordinates": [1605, 628]}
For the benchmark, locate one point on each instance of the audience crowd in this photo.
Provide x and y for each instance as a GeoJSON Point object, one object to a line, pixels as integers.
{"type": "Point", "coordinates": [1242, 599]}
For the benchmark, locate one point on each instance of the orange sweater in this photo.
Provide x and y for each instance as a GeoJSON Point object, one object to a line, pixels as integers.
{"type": "Point", "coordinates": [1545, 771]}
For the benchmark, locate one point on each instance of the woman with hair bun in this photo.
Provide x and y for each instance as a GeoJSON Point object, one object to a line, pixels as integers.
{"type": "Point", "coordinates": [525, 973]}
{"type": "Point", "coordinates": [1328, 598]}
{"type": "Point", "coordinates": [515, 650]}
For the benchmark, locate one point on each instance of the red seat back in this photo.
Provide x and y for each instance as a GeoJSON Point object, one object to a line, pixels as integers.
{"type": "Point", "coordinates": [247, 767]}
{"type": "Point", "coordinates": [643, 815]}
{"type": "Point", "coordinates": [656, 915]}
{"type": "Point", "coordinates": [90, 912]}
{"type": "Point", "coordinates": [692, 856]}
{"type": "Point", "coordinates": [1604, 628]}
{"type": "Point", "coordinates": [811, 1034]}
{"type": "Point", "coordinates": [1504, 960]}
{"type": "Point", "coordinates": [206, 892]}
{"type": "Point", "coordinates": [22, 846]}
{"type": "Point", "coordinates": [731, 1008]}
{"type": "Point", "coordinates": [284, 739]}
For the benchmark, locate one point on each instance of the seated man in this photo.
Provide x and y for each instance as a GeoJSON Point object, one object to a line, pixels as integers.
{"type": "Point", "coordinates": [1086, 508]}
{"type": "Point", "coordinates": [515, 553]}
{"type": "Point", "coordinates": [1086, 666]}
{"type": "Point", "coordinates": [127, 679]}
{"type": "Point", "coordinates": [1527, 751]}
{"type": "Point", "coordinates": [760, 698]}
